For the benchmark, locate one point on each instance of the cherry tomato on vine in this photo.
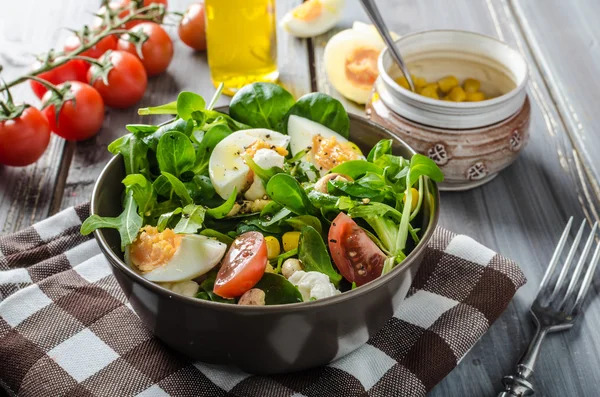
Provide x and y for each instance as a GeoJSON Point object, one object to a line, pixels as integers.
{"type": "Point", "coordinates": [127, 80]}
{"type": "Point", "coordinates": [74, 70]}
{"type": "Point", "coordinates": [192, 29]}
{"type": "Point", "coordinates": [243, 265]}
{"type": "Point", "coordinates": [125, 4]}
{"type": "Point", "coordinates": [24, 139]}
{"type": "Point", "coordinates": [355, 255]}
{"type": "Point", "coordinates": [157, 50]}
{"type": "Point", "coordinates": [79, 118]}
{"type": "Point", "coordinates": [105, 44]}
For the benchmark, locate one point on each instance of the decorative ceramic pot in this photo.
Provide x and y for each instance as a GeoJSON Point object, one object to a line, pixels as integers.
{"type": "Point", "coordinates": [470, 141]}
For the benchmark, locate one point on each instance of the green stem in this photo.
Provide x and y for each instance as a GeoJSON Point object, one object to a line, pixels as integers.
{"type": "Point", "coordinates": [46, 84]}
{"type": "Point", "coordinates": [88, 60]}
{"type": "Point", "coordinates": [169, 108]}
{"type": "Point", "coordinates": [215, 97]}
{"type": "Point", "coordinates": [111, 29]}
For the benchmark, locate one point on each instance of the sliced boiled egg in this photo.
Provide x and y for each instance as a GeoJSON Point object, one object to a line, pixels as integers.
{"type": "Point", "coordinates": [228, 169]}
{"type": "Point", "coordinates": [313, 17]}
{"type": "Point", "coordinates": [327, 148]}
{"type": "Point", "coordinates": [351, 60]}
{"type": "Point", "coordinates": [170, 257]}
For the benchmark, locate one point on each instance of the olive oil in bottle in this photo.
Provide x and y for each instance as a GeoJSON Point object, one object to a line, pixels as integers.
{"type": "Point", "coordinates": [241, 40]}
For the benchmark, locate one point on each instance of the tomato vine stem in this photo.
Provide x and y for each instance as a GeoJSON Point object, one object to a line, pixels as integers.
{"type": "Point", "coordinates": [153, 12]}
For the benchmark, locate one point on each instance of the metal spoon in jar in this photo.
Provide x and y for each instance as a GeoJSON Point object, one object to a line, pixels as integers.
{"type": "Point", "coordinates": [375, 17]}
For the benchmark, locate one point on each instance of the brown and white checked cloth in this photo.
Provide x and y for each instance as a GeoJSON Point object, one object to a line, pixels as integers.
{"type": "Point", "coordinates": [66, 328]}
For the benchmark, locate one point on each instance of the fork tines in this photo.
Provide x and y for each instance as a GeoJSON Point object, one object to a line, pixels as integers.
{"type": "Point", "coordinates": [554, 294]}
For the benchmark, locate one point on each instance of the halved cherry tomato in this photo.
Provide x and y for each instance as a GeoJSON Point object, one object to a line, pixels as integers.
{"type": "Point", "coordinates": [157, 50]}
{"type": "Point", "coordinates": [243, 266]}
{"type": "Point", "coordinates": [127, 80]}
{"type": "Point", "coordinates": [192, 28]}
{"type": "Point", "coordinates": [24, 139]}
{"type": "Point", "coordinates": [355, 255]}
{"type": "Point", "coordinates": [105, 44]}
{"type": "Point", "coordinates": [80, 118]}
{"type": "Point", "coordinates": [74, 70]}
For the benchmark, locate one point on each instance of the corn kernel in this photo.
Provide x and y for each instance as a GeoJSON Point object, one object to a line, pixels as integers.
{"type": "Point", "coordinates": [269, 268]}
{"type": "Point", "coordinates": [273, 248]}
{"type": "Point", "coordinates": [457, 94]}
{"type": "Point", "coordinates": [403, 82]}
{"type": "Point", "coordinates": [290, 241]}
{"type": "Point", "coordinates": [418, 81]}
{"type": "Point", "coordinates": [447, 83]}
{"type": "Point", "coordinates": [471, 85]}
{"type": "Point", "coordinates": [414, 199]}
{"type": "Point", "coordinates": [475, 96]}
{"type": "Point", "coordinates": [430, 90]}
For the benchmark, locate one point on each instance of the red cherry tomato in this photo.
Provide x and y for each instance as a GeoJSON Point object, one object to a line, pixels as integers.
{"type": "Point", "coordinates": [243, 265]}
{"type": "Point", "coordinates": [107, 43]}
{"type": "Point", "coordinates": [80, 118]}
{"type": "Point", "coordinates": [157, 51]}
{"type": "Point", "coordinates": [74, 70]}
{"type": "Point", "coordinates": [127, 80]}
{"type": "Point", "coordinates": [192, 28]}
{"type": "Point", "coordinates": [24, 139]}
{"type": "Point", "coordinates": [355, 255]}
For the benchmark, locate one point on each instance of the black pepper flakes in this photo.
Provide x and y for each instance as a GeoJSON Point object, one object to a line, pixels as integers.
{"type": "Point", "coordinates": [333, 241]}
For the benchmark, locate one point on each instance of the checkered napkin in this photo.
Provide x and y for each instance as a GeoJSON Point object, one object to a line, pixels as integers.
{"type": "Point", "coordinates": [66, 328]}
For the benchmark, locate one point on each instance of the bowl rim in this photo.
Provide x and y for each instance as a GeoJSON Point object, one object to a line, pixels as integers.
{"type": "Point", "coordinates": [379, 282]}
{"type": "Point", "coordinates": [389, 81]}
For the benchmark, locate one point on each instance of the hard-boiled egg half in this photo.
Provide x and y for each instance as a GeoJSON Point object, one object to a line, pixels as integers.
{"type": "Point", "coordinates": [327, 148]}
{"type": "Point", "coordinates": [170, 257]}
{"type": "Point", "coordinates": [313, 17]}
{"type": "Point", "coordinates": [227, 167]}
{"type": "Point", "coordinates": [351, 60]}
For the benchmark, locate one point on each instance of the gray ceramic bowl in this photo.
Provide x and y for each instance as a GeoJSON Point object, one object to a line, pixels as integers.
{"type": "Point", "coordinates": [264, 339]}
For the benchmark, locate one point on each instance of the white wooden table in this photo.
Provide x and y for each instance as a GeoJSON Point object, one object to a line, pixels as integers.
{"type": "Point", "coordinates": [519, 214]}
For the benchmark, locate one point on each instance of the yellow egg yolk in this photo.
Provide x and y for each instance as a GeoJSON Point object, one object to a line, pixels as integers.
{"type": "Point", "coordinates": [308, 11]}
{"type": "Point", "coordinates": [153, 249]}
{"type": "Point", "coordinates": [329, 152]}
{"type": "Point", "coordinates": [361, 66]}
{"type": "Point", "coordinates": [260, 144]}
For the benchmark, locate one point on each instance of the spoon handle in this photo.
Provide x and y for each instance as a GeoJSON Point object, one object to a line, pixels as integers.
{"type": "Point", "coordinates": [373, 12]}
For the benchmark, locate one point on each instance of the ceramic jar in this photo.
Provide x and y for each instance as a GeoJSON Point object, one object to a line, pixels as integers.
{"type": "Point", "coordinates": [470, 141]}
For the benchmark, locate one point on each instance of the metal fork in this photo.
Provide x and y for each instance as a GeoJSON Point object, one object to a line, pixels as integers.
{"type": "Point", "coordinates": [554, 308]}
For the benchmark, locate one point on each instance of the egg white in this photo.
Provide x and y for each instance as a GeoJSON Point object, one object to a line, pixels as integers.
{"type": "Point", "coordinates": [227, 168]}
{"type": "Point", "coordinates": [329, 17]}
{"type": "Point", "coordinates": [336, 53]}
{"type": "Point", "coordinates": [195, 256]}
{"type": "Point", "coordinates": [264, 158]}
{"type": "Point", "coordinates": [302, 131]}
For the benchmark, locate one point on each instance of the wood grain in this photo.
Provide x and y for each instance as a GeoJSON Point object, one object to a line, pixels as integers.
{"type": "Point", "coordinates": [188, 71]}
{"type": "Point", "coordinates": [26, 193]}
{"type": "Point", "coordinates": [519, 214]}
{"type": "Point", "coordinates": [564, 42]}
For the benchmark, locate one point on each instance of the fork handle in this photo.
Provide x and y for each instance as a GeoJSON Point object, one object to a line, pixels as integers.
{"type": "Point", "coordinates": [518, 385]}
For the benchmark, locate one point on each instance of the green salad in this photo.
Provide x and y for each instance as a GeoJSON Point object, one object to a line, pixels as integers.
{"type": "Point", "coordinates": [269, 204]}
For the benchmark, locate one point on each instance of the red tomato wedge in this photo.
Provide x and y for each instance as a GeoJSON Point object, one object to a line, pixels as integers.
{"type": "Point", "coordinates": [243, 266]}
{"type": "Point", "coordinates": [355, 255]}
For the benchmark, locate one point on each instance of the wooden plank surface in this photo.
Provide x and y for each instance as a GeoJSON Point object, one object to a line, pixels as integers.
{"type": "Point", "coordinates": [188, 71]}
{"type": "Point", "coordinates": [520, 214]}
{"type": "Point", "coordinates": [29, 27]}
{"type": "Point", "coordinates": [564, 39]}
